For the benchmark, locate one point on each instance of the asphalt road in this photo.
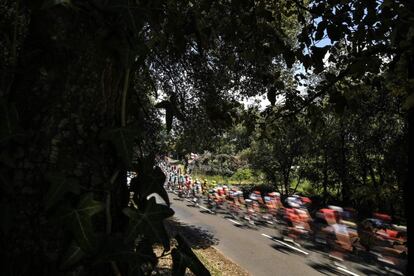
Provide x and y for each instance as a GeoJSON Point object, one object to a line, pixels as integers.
{"type": "Point", "coordinates": [255, 251]}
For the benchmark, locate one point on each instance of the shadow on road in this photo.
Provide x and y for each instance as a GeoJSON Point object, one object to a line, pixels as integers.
{"type": "Point", "coordinates": [197, 238]}
{"type": "Point", "coordinates": [367, 270]}
{"type": "Point", "coordinates": [285, 250]}
{"type": "Point", "coordinates": [325, 269]}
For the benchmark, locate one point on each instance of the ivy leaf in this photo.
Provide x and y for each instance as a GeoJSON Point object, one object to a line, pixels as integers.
{"type": "Point", "coordinates": [318, 53]}
{"type": "Point", "coordinates": [60, 185]}
{"type": "Point", "coordinates": [271, 95]}
{"type": "Point", "coordinates": [148, 223]}
{"type": "Point", "coordinates": [114, 248]}
{"type": "Point", "coordinates": [179, 264]}
{"type": "Point", "coordinates": [123, 140]}
{"type": "Point", "coordinates": [72, 256]}
{"type": "Point", "coordinates": [149, 181]}
{"type": "Point", "coordinates": [184, 257]}
{"type": "Point", "coordinates": [318, 9]}
{"type": "Point", "coordinates": [320, 30]}
{"type": "Point", "coordinates": [334, 32]}
{"type": "Point", "coordinates": [79, 221]}
{"type": "Point", "coordinates": [171, 111]}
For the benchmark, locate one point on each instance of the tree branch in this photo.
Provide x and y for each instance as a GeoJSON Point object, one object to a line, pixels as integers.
{"type": "Point", "coordinates": [124, 97]}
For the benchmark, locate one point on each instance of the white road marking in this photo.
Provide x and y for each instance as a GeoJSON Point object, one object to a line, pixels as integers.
{"type": "Point", "coordinates": [291, 241]}
{"type": "Point", "coordinates": [393, 271]}
{"type": "Point", "coordinates": [236, 222]}
{"type": "Point", "coordinates": [199, 205]}
{"type": "Point", "coordinates": [385, 261]}
{"type": "Point", "coordinates": [346, 271]}
{"type": "Point", "coordinates": [202, 207]}
{"type": "Point", "coordinates": [285, 244]}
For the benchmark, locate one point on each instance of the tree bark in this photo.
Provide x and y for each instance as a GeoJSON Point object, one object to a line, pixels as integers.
{"type": "Point", "coordinates": [344, 168]}
{"type": "Point", "coordinates": [325, 176]}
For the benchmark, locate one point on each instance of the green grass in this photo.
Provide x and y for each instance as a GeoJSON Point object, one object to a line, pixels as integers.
{"type": "Point", "coordinates": [213, 270]}
{"type": "Point", "coordinates": [220, 179]}
{"type": "Point", "coordinates": [305, 186]}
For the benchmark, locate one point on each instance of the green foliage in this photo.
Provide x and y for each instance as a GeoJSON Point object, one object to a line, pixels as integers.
{"type": "Point", "coordinates": [277, 147]}
{"type": "Point", "coordinates": [242, 174]}
{"type": "Point", "coordinates": [149, 223]}
{"type": "Point", "coordinates": [60, 185]}
{"type": "Point", "coordinates": [216, 164]}
{"type": "Point", "coordinates": [79, 87]}
{"type": "Point", "coordinates": [72, 256]}
{"type": "Point", "coordinates": [78, 220]}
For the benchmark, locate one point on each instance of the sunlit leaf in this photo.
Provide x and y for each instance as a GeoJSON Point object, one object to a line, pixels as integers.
{"type": "Point", "coordinates": [149, 181]}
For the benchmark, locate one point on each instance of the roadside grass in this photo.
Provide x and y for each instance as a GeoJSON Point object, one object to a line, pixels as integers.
{"type": "Point", "coordinates": [220, 179]}
{"type": "Point", "coordinates": [218, 264]}
{"type": "Point", "coordinates": [212, 259]}
{"type": "Point", "coordinates": [214, 271]}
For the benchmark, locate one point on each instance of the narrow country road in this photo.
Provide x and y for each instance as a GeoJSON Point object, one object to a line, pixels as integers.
{"type": "Point", "coordinates": [254, 250]}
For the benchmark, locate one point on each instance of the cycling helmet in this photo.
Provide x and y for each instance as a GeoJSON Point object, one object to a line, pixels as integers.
{"type": "Point", "coordinates": [274, 194]}
{"type": "Point", "coordinates": [293, 202]}
{"type": "Point", "coordinates": [336, 208]}
{"type": "Point", "coordinates": [306, 200]}
{"type": "Point", "coordinates": [383, 217]}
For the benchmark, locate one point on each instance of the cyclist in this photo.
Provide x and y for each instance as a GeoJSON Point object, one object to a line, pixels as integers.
{"type": "Point", "coordinates": [297, 218]}
{"type": "Point", "coordinates": [204, 186]}
{"type": "Point", "coordinates": [198, 187]}
{"type": "Point", "coordinates": [272, 203]}
{"type": "Point", "coordinates": [213, 184]}
{"type": "Point", "coordinates": [340, 240]}
{"type": "Point", "coordinates": [213, 199]}
{"type": "Point", "coordinates": [181, 180]}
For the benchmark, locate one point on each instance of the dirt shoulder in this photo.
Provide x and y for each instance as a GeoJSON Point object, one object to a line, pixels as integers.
{"type": "Point", "coordinates": [202, 244]}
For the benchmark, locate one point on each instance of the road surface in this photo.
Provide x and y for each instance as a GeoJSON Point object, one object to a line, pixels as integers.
{"type": "Point", "coordinates": [255, 251]}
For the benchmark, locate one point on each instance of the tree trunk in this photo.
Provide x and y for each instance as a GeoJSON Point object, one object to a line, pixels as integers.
{"type": "Point", "coordinates": [286, 181]}
{"type": "Point", "coordinates": [325, 176]}
{"type": "Point", "coordinates": [410, 178]}
{"type": "Point", "coordinates": [345, 191]}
